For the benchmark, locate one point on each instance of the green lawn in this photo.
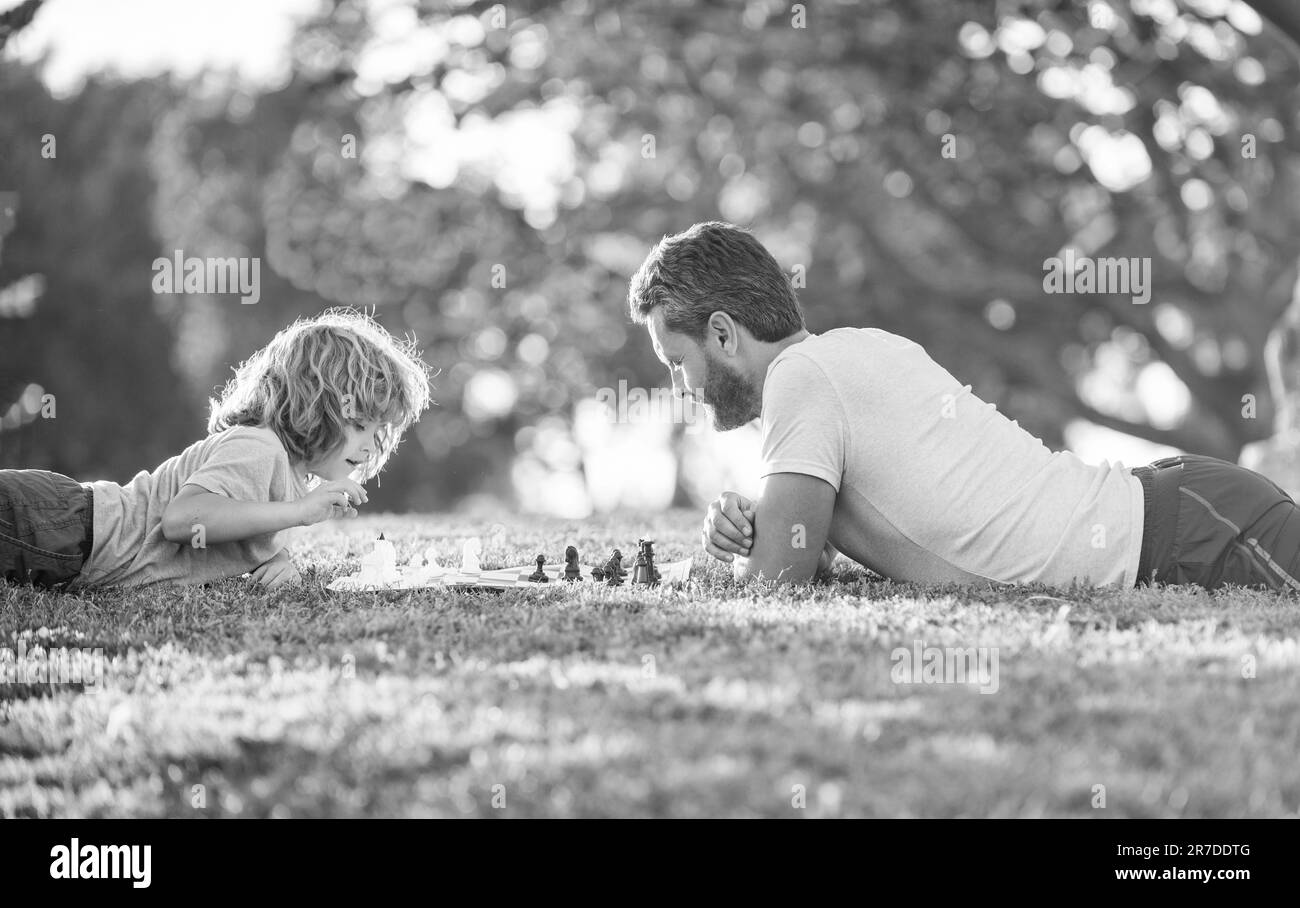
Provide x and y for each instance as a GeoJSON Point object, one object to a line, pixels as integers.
{"type": "Point", "coordinates": [713, 700]}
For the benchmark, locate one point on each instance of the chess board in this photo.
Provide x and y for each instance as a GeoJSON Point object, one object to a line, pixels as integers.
{"type": "Point", "coordinates": [410, 578]}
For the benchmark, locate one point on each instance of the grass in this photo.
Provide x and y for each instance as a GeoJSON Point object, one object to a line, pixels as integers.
{"type": "Point", "coordinates": [714, 700]}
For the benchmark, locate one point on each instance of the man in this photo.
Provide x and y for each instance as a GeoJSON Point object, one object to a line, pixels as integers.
{"type": "Point", "coordinates": [872, 448]}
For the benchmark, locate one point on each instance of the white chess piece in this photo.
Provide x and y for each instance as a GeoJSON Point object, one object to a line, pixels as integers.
{"type": "Point", "coordinates": [423, 568]}
{"type": "Point", "coordinates": [469, 563]}
{"type": "Point", "coordinates": [379, 566]}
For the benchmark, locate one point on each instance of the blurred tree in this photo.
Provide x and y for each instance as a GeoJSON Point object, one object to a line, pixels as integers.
{"type": "Point", "coordinates": [488, 177]}
{"type": "Point", "coordinates": [77, 319]}
{"type": "Point", "coordinates": [1278, 456]}
{"type": "Point", "coordinates": [915, 163]}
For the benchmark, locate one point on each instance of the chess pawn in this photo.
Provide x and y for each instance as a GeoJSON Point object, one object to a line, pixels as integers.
{"type": "Point", "coordinates": [539, 575]}
{"type": "Point", "coordinates": [469, 562]}
{"type": "Point", "coordinates": [424, 567]}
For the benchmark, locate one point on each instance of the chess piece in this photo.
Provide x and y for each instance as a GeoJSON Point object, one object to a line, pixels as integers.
{"type": "Point", "coordinates": [613, 571]}
{"type": "Point", "coordinates": [643, 570]}
{"type": "Point", "coordinates": [571, 570]}
{"type": "Point", "coordinates": [650, 557]}
{"type": "Point", "coordinates": [469, 561]}
{"type": "Point", "coordinates": [539, 575]}
{"type": "Point", "coordinates": [424, 567]}
{"type": "Point", "coordinates": [379, 566]}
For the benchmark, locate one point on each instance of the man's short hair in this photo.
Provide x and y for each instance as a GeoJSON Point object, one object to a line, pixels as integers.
{"type": "Point", "coordinates": [715, 267]}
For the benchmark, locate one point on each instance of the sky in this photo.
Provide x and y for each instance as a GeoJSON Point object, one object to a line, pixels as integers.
{"type": "Point", "coordinates": [139, 38]}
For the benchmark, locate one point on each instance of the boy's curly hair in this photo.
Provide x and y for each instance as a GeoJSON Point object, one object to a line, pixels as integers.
{"type": "Point", "coordinates": [320, 374]}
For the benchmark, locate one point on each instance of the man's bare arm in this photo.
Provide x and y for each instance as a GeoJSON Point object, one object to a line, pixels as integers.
{"type": "Point", "coordinates": [791, 523]}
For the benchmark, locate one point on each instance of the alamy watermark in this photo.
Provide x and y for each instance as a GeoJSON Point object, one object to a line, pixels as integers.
{"type": "Point", "coordinates": [946, 665]}
{"type": "Point", "coordinates": [51, 666]}
{"type": "Point", "coordinates": [639, 406]}
{"type": "Point", "coordinates": [1083, 274]}
{"type": "Point", "coordinates": [76, 861]}
{"type": "Point", "coordinates": [179, 274]}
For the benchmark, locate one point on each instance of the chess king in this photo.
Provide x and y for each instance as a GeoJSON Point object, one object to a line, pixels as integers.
{"type": "Point", "coordinates": [871, 448]}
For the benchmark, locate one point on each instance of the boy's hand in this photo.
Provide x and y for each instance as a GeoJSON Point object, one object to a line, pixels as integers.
{"type": "Point", "coordinates": [729, 527]}
{"type": "Point", "coordinates": [336, 498]}
{"type": "Point", "coordinates": [278, 571]}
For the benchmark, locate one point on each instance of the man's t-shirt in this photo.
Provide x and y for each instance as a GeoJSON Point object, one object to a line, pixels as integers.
{"type": "Point", "coordinates": [243, 463]}
{"type": "Point", "coordinates": [934, 484]}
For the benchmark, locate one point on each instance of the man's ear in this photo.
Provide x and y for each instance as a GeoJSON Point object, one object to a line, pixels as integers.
{"type": "Point", "coordinates": [722, 333]}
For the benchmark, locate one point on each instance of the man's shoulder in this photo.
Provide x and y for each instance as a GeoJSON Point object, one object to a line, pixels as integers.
{"type": "Point", "coordinates": [842, 353]}
{"type": "Point", "coordinates": [849, 342]}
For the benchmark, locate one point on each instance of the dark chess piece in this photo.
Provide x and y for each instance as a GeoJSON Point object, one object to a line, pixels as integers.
{"type": "Point", "coordinates": [613, 571]}
{"type": "Point", "coordinates": [539, 575]}
{"type": "Point", "coordinates": [644, 570]}
{"type": "Point", "coordinates": [654, 569]}
{"type": "Point", "coordinates": [571, 570]}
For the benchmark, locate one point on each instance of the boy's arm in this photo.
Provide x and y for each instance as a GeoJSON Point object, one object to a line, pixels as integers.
{"type": "Point", "coordinates": [224, 519]}
{"type": "Point", "coordinates": [792, 521]}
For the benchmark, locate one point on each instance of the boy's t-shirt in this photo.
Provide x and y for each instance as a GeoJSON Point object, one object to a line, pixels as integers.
{"type": "Point", "coordinates": [244, 463]}
{"type": "Point", "coordinates": [934, 484]}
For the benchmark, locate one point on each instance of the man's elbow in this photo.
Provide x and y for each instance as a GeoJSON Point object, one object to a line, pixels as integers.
{"type": "Point", "coordinates": [170, 531]}
{"type": "Point", "coordinates": [175, 526]}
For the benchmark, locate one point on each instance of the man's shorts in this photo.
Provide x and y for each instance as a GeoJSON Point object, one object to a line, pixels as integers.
{"type": "Point", "coordinates": [1211, 523]}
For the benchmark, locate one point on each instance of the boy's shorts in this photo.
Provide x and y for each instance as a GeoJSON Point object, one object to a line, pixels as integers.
{"type": "Point", "coordinates": [1210, 522]}
{"type": "Point", "coordinates": [47, 527]}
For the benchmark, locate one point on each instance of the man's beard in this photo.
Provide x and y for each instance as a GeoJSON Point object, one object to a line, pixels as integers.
{"type": "Point", "coordinates": [731, 400]}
